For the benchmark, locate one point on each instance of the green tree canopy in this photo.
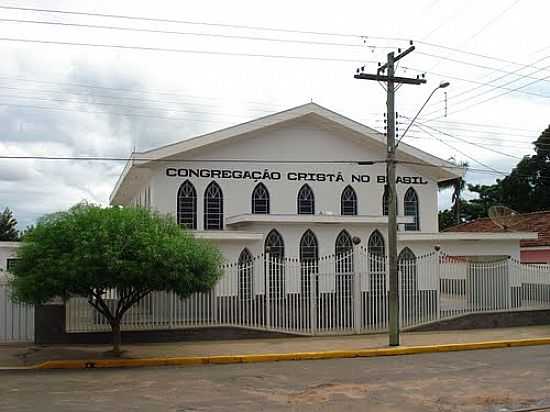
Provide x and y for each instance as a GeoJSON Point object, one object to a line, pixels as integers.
{"type": "Point", "coordinates": [527, 187]}
{"type": "Point", "coordinates": [89, 250]}
{"type": "Point", "coordinates": [8, 231]}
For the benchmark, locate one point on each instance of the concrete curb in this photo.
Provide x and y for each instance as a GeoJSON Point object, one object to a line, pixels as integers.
{"type": "Point", "coordinates": [232, 359]}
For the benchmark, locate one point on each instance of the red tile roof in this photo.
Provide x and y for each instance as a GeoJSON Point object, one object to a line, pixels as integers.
{"type": "Point", "coordinates": [528, 222]}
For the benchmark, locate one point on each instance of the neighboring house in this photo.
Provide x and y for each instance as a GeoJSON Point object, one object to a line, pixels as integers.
{"type": "Point", "coordinates": [290, 183]}
{"type": "Point", "coordinates": [7, 256]}
{"type": "Point", "coordinates": [531, 250]}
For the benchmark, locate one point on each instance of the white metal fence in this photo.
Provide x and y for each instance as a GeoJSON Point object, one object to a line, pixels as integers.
{"type": "Point", "coordinates": [342, 294]}
{"type": "Point", "coordinates": [16, 320]}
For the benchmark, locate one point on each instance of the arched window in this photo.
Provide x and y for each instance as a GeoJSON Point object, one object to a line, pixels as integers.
{"type": "Point", "coordinates": [348, 201]}
{"type": "Point", "coordinates": [377, 263]}
{"type": "Point", "coordinates": [187, 205]}
{"type": "Point", "coordinates": [213, 207]}
{"type": "Point", "coordinates": [260, 200]}
{"type": "Point", "coordinates": [385, 202]}
{"type": "Point", "coordinates": [407, 271]}
{"type": "Point", "coordinates": [343, 255]}
{"type": "Point", "coordinates": [343, 252]}
{"type": "Point", "coordinates": [410, 205]}
{"type": "Point", "coordinates": [246, 271]}
{"type": "Point", "coordinates": [275, 246]}
{"type": "Point", "coordinates": [309, 256]}
{"type": "Point", "coordinates": [306, 201]}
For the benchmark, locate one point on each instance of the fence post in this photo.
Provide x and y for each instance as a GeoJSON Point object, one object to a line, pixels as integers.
{"type": "Point", "coordinates": [267, 275]}
{"type": "Point", "coordinates": [356, 291]}
{"type": "Point", "coordinates": [313, 297]}
{"type": "Point", "coordinates": [438, 290]}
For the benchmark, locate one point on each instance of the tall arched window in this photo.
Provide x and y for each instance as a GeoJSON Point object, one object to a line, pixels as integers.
{"type": "Point", "coordinates": [275, 246]}
{"type": "Point", "coordinates": [343, 255]}
{"type": "Point", "coordinates": [407, 271]}
{"type": "Point", "coordinates": [377, 263]}
{"type": "Point", "coordinates": [348, 201]}
{"type": "Point", "coordinates": [343, 252]}
{"type": "Point", "coordinates": [385, 202]}
{"type": "Point", "coordinates": [306, 201]}
{"type": "Point", "coordinates": [246, 271]}
{"type": "Point", "coordinates": [309, 256]}
{"type": "Point", "coordinates": [213, 207]}
{"type": "Point", "coordinates": [187, 205]}
{"type": "Point", "coordinates": [260, 200]}
{"type": "Point", "coordinates": [410, 205]}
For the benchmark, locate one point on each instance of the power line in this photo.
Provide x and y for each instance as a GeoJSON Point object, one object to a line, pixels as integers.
{"type": "Point", "coordinates": [479, 83]}
{"type": "Point", "coordinates": [481, 66]}
{"type": "Point", "coordinates": [462, 153]}
{"type": "Point", "coordinates": [492, 21]}
{"type": "Point", "coordinates": [177, 21]}
{"type": "Point", "coordinates": [483, 125]}
{"type": "Point", "coordinates": [139, 99]}
{"type": "Point", "coordinates": [259, 28]}
{"type": "Point", "coordinates": [494, 97]}
{"type": "Point", "coordinates": [117, 105]}
{"type": "Point", "coordinates": [120, 89]}
{"type": "Point", "coordinates": [180, 33]}
{"type": "Point", "coordinates": [467, 141]}
{"type": "Point", "coordinates": [63, 109]}
{"type": "Point", "coordinates": [190, 51]}
{"type": "Point", "coordinates": [493, 87]}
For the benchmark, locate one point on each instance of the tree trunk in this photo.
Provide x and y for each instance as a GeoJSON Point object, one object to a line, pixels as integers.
{"type": "Point", "coordinates": [117, 337]}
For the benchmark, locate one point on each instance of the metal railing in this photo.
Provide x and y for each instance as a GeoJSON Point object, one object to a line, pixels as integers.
{"type": "Point", "coordinates": [336, 294]}
{"type": "Point", "coordinates": [16, 320]}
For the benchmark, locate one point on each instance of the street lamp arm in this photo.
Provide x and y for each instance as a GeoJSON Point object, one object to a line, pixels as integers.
{"type": "Point", "coordinates": [441, 86]}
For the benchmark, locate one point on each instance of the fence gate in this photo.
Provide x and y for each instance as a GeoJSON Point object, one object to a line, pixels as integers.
{"type": "Point", "coordinates": [16, 321]}
{"type": "Point", "coordinates": [337, 294]}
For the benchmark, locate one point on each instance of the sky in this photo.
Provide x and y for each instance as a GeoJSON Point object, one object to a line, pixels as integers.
{"type": "Point", "coordinates": [67, 100]}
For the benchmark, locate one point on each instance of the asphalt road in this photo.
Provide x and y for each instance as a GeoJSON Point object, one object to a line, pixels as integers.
{"type": "Point", "coordinates": [489, 380]}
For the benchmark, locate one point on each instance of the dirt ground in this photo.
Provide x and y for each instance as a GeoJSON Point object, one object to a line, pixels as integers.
{"type": "Point", "coordinates": [497, 380]}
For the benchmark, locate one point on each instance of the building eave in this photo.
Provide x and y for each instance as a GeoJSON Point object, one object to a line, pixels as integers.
{"type": "Point", "coordinates": [249, 218]}
{"type": "Point", "coordinates": [227, 235]}
{"type": "Point", "coordinates": [472, 236]}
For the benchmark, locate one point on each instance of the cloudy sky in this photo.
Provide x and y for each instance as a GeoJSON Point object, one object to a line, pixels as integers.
{"type": "Point", "coordinates": [67, 100]}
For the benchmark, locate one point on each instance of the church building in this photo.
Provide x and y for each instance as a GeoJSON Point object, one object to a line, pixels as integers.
{"type": "Point", "coordinates": [301, 183]}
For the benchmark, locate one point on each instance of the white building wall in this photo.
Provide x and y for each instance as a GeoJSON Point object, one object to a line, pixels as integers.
{"type": "Point", "coordinates": [292, 143]}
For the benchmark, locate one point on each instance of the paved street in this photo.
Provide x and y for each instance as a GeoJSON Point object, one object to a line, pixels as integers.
{"type": "Point", "coordinates": [488, 380]}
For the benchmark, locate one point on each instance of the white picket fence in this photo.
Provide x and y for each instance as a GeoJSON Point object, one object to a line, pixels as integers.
{"type": "Point", "coordinates": [16, 320]}
{"type": "Point", "coordinates": [334, 295]}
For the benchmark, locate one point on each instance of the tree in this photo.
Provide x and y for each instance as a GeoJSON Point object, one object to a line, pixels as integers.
{"type": "Point", "coordinates": [8, 231]}
{"type": "Point", "coordinates": [88, 251]}
{"type": "Point", "coordinates": [457, 185]}
{"type": "Point", "coordinates": [527, 187]}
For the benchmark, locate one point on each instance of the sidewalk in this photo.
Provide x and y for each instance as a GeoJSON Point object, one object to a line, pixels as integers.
{"type": "Point", "coordinates": [28, 354]}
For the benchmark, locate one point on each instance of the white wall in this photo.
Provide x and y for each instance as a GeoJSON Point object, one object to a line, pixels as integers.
{"type": "Point", "coordinates": [296, 141]}
{"type": "Point", "coordinates": [7, 250]}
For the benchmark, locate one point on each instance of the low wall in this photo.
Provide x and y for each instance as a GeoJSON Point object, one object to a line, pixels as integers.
{"type": "Point", "coordinates": [50, 329]}
{"type": "Point", "coordinates": [489, 321]}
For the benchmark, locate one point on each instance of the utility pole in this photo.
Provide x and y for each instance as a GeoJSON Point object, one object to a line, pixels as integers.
{"type": "Point", "coordinates": [391, 80]}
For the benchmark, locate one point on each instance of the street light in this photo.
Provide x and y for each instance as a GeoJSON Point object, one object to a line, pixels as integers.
{"type": "Point", "coordinates": [442, 85]}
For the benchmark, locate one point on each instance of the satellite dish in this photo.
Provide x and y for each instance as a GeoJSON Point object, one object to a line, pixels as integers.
{"type": "Point", "coordinates": [504, 217]}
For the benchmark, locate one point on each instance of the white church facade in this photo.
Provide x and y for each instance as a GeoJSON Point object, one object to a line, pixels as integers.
{"type": "Point", "coordinates": [302, 182]}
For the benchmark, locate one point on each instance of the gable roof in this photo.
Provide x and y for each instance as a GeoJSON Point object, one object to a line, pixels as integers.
{"type": "Point", "coordinates": [440, 169]}
{"type": "Point", "coordinates": [528, 222]}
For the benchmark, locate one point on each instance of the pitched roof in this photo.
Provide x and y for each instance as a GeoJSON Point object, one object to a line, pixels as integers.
{"type": "Point", "coordinates": [528, 222]}
{"type": "Point", "coordinates": [444, 170]}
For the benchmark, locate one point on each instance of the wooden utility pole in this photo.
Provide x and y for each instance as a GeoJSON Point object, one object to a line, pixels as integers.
{"type": "Point", "coordinates": [390, 79]}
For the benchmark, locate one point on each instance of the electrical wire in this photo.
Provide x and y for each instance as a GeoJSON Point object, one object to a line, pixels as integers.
{"type": "Point", "coordinates": [190, 51]}
{"type": "Point", "coordinates": [180, 33]}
